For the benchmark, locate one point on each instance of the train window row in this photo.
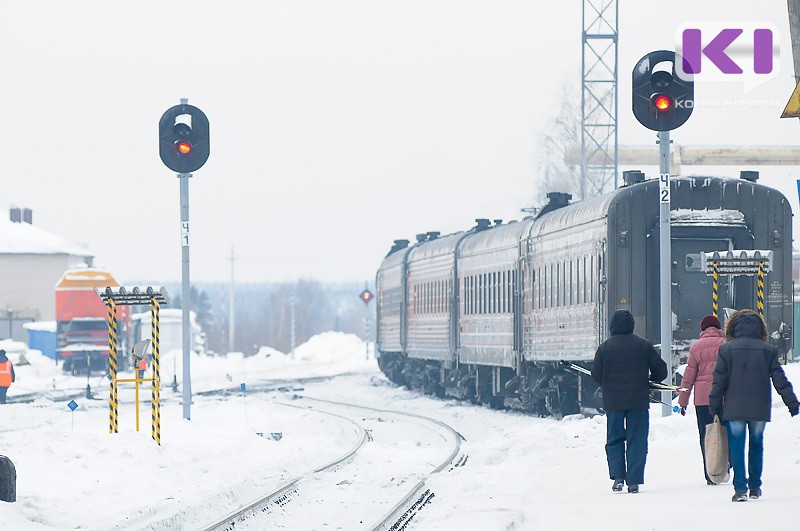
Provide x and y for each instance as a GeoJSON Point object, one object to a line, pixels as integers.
{"type": "Point", "coordinates": [489, 293]}
{"type": "Point", "coordinates": [432, 297]}
{"type": "Point", "coordinates": [565, 283]}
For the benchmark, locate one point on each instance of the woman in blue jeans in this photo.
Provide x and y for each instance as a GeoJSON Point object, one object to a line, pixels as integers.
{"type": "Point", "coordinates": [741, 395]}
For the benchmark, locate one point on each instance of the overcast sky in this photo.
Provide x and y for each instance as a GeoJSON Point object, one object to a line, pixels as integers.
{"type": "Point", "coordinates": [336, 126]}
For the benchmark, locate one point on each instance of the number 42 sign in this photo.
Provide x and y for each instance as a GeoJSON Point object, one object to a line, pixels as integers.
{"type": "Point", "coordinates": [663, 188]}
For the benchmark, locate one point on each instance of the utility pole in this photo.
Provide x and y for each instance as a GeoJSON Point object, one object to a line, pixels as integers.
{"type": "Point", "coordinates": [599, 95]}
{"type": "Point", "coordinates": [231, 307]}
{"type": "Point", "coordinates": [293, 300]}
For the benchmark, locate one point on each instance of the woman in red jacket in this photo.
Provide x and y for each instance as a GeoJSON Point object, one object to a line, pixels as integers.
{"type": "Point", "coordinates": [699, 374]}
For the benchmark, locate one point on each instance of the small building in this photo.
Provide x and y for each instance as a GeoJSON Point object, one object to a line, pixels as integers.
{"type": "Point", "coordinates": [31, 262]}
{"type": "Point", "coordinates": [170, 329]}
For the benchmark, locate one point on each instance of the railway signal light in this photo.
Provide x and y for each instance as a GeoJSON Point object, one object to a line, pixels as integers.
{"type": "Point", "coordinates": [183, 138]}
{"type": "Point", "coordinates": [366, 296]}
{"type": "Point", "coordinates": [662, 99]}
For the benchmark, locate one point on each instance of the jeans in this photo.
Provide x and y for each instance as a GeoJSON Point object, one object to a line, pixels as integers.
{"type": "Point", "coordinates": [3, 391]}
{"type": "Point", "coordinates": [626, 444]}
{"type": "Point", "coordinates": [704, 418]}
{"type": "Point", "coordinates": [755, 453]}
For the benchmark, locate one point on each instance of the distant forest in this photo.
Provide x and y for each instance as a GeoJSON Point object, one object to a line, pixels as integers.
{"type": "Point", "coordinates": [262, 315]}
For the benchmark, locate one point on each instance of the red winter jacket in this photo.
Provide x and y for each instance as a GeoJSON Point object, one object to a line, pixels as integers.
{"type": "Point", "coordinates": [700, 369]}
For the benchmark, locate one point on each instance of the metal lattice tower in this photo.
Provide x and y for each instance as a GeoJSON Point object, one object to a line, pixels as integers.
{"type": "Point", "coordinates": [599, 95]}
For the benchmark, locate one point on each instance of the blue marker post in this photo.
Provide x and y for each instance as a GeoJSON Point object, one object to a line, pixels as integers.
{"type": "Point", "coordinates": [243, 388]}
{"type": "Point", "coordinates": [798, 188]}
{"type": "Point", "coordinates": [72, 407]}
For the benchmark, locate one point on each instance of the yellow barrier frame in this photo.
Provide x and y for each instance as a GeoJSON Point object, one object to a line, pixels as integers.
{"type": "Point", "coordinates": [154, 296]}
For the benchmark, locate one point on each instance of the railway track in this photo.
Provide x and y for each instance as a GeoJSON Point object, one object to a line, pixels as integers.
{"type": "Point", "coordinates": [277, 503]}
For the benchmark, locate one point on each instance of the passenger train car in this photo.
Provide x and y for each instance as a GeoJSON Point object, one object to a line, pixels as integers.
{"type": "Point", "coordinates": [488, 314]}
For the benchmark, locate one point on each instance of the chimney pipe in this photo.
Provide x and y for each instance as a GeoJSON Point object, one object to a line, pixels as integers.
{"type": "Point", "coordinates": [749, 175]}
{"type": "Point", "coordinates": [632, 177]}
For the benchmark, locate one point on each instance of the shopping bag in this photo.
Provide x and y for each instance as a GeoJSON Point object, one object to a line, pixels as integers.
{"type": "Point", "coordinates": [716, 448]}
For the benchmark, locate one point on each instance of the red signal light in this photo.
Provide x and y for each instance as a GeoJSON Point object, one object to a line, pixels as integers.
{"type": "Point", "coordinates": [183, 147]}
{"type": "Point", "coordinates": [366, 295]}
{"type": "Point", "coordinates": [662, 102]}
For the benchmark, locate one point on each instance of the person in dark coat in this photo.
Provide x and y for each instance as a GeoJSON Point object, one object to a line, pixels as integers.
{"type": "Point", "coordinates": [623, 366]}
{"type": "Point", "coordinates": [742, 396]}
{"type": "Point", "coordinates": [6, 375]}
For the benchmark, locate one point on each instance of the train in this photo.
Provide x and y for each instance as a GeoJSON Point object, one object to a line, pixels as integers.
{"type": "Point", "coordinates": [497, 313]}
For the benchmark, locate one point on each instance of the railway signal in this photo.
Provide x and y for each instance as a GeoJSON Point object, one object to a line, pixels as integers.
{"type": "Point", "coordinates": [183, 138]}
{"type": "Point", "coordinates": [366, 296]}
{"type": "Point", "coordinates": [662, 100]}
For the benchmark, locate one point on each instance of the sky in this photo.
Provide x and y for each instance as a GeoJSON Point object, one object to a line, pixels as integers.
{"type": "Point", "coordinates": [519, 472]}
{"type": "Point", "coordinates": [336, 127]}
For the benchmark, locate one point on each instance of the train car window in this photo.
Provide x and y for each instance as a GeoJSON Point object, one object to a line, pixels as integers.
{"type": "Point", "coordinates": [559, 289]}
{"type": "Point", "coordinates": [472, 294]}
{"type": "Point", "coordinates": [546, 295]}
{"type": "Point", "coordinates": [593, 275]}
{"type": "Point", "coordinates": [502, 287]}
{"type": "Point", "coordinates": [492, 293]}
{"type": "Point", "coordinates": [486, 293]}
{"type": "Point", "coordinates": [571, 283]}
{"type": "Point", "coordinates": [496, 287]}
{"type": "Point", "coordinates": [693, 262]}
{"type": "Point", "coordinates": [479, 309]}
{"type": "Point", "coordinates": [578, 281]}
{"type": "Point", "coordinates": [468, 295]}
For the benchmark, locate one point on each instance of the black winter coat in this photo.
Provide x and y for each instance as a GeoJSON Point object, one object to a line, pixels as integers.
{"type": "Point", "coordinates": [624, 364]}
{"type": "Point", "coordinates": [742, 374]}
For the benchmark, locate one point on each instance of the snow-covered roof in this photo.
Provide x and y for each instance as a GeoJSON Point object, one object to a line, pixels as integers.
{"type": "Point", "coordinates": [24, 238]}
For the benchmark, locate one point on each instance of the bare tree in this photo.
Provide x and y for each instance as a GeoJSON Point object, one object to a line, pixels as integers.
{"type": "Point", "coordinates": [559, 139]}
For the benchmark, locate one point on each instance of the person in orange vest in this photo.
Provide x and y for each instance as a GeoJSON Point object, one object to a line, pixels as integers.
{"type": "Point", "coordinates": [6, 375]}
{"type": "Point", "coordinates": [142, 367]}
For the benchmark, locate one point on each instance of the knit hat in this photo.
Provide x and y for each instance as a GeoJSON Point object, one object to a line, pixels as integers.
{"type": "Point", "coordinates": [710, 320]}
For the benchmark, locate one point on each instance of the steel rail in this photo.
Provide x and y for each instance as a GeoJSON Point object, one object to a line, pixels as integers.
{"type": "Point", "coordinates": [403, 511]}
{"type": "Point", "coordinates": [263, 503]}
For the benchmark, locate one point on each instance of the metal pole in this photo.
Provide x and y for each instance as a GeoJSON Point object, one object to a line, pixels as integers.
{"type": "Point", "coordinates": [292, 303]}
{"type": "Point", "coordinates": [760, 293]}
{"type": "Point", "coordinates": [665, 266]}
{"type": "Point", "coordinates": [715, 292]}
{"type": "Point", "coordinates": [185, 294]}
{"type": "Point", "coordinates": [231, 310]}
{"type": "Point", "coordinates": [155, 392]}
{"type": "Point", "coordinates": [113, 400]}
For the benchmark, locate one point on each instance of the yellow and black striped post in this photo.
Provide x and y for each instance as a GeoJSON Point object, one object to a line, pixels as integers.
{"type": "Point", "coordinates": [715, 292]}
{"type": "Point", "coordinates": [113, 426]}
{"type": "Point", "coordinates": [760, 295]}
{"type": "Point", "coordinates": [155, 427]}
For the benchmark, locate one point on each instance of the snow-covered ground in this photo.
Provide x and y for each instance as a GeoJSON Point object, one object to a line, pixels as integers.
{"type": "Point", "coordinates": [522, 472]}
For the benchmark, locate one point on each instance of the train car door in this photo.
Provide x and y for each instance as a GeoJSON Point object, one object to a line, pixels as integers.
{"type": "Point", "coordinates": [692, 287]}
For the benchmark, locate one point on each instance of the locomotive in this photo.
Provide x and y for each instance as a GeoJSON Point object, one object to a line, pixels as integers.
{"type": "Point", "coordinates": [491, 314]}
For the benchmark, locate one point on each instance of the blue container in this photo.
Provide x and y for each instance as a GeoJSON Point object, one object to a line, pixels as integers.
{"type": "Point", "coordinates": [42, 338]}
